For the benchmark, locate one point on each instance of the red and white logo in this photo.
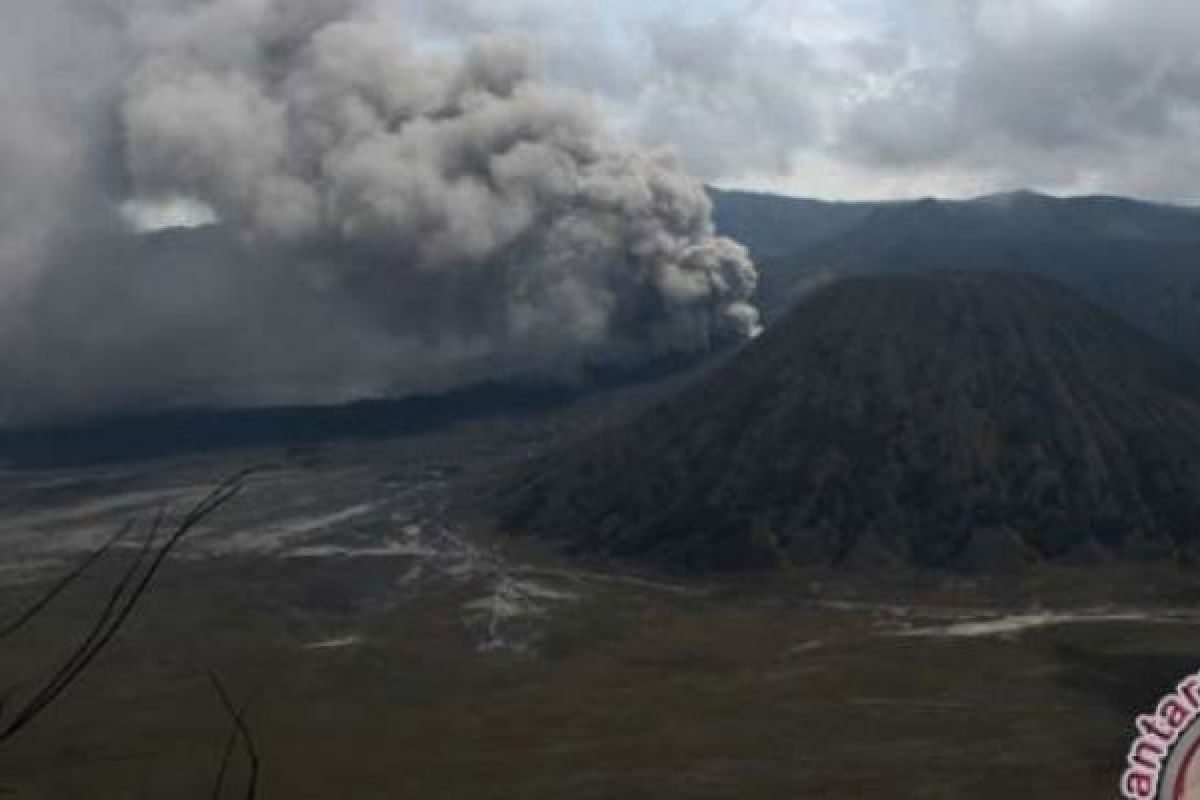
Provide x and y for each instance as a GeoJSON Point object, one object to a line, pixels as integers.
{"type": "Point", "coordinates": [1164, 760]}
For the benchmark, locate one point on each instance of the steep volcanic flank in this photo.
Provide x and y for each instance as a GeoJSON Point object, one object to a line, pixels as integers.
{"type": "Point", "coordinates": [973, 421]}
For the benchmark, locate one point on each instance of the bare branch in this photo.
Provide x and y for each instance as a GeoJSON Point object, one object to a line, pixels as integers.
{"type": "Point", "coordinates": [122, 601]}
{"type": "Point", "coordinates": [242, 731]}
{"type": "Point", "coordinates": [226, 757]}
{"type": "Point", "coordinates": [63, 583]}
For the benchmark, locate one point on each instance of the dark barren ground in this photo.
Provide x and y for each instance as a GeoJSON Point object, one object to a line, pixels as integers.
{"type": "Point", "coordinates": [392, 649]}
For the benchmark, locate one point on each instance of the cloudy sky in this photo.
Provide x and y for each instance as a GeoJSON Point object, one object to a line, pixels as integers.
{"type": "Point", "coordinates": [882, 98]}
{"type": "Point", "coordinates": [414, 195]}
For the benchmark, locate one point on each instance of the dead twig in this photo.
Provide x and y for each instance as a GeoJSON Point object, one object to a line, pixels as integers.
{"type": "Point", "coordinates": [241, 731]}
{"type": "Point", "coordinates": [63, 583]}
{"type": "Point", "coordinates": [124, 598]}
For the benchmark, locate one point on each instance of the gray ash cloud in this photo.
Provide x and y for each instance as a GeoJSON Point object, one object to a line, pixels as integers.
{"type": "Point", "coordinates": [392, 218]}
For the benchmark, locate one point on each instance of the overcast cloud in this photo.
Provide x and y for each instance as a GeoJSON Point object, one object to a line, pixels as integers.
{"type": "Point", "coordinates": [885, 98]}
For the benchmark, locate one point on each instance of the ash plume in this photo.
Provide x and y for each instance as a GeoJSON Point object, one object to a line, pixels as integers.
{"type": "Point", "coordinates": [384, 218]}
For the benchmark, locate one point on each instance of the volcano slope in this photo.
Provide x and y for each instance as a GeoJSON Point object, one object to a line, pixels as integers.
{"type": "Point", "coordinates": [966, 421]}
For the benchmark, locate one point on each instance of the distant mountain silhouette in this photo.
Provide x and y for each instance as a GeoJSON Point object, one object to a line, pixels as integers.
{"type": "Point", "coordinates": [135, 436]}
{"type": "Point", "coordinates": [195, 430]}
{"type": "Point", "coordinates": [774, 225]}
{"type": "Point", "coordinates": [1139, 260]}
{"type": "Point", "coordinates": [974, 421]}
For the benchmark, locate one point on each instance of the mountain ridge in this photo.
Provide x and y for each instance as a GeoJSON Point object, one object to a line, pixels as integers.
{"type": "Point", "coordinates": [933, 420]}
{"type": "Point", "coordinates": [1139, 260]}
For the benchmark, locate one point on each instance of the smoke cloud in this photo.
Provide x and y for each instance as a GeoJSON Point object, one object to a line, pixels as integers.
{"type": "Point", "coordinates": [370, 217]}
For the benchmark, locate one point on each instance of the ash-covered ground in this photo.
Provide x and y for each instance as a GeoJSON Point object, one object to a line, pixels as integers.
{"type": "Point", "coordinates": [389, 645]}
